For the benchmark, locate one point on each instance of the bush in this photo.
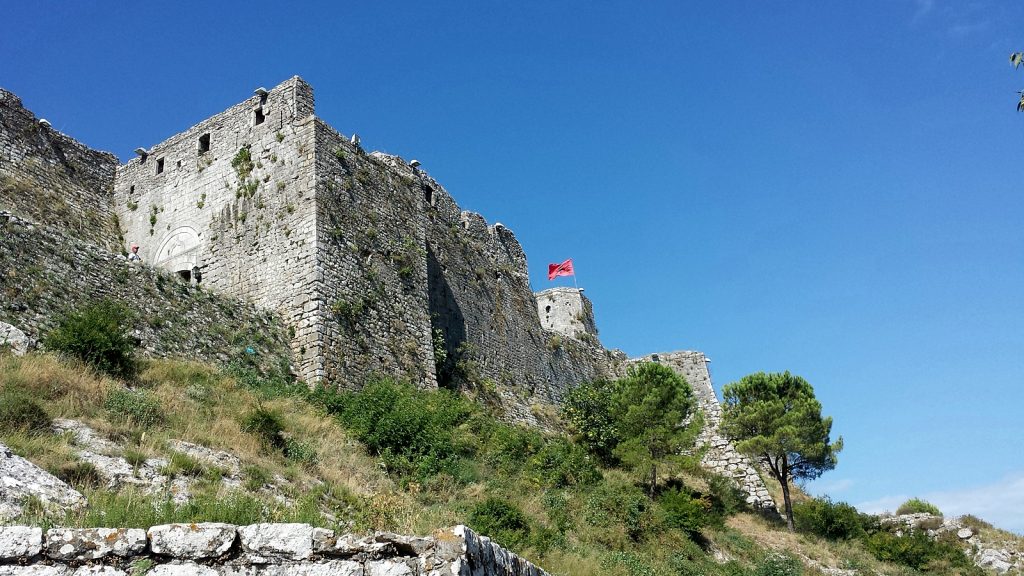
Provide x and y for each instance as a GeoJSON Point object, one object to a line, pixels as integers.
{"type": "Point", "coordinates": [685, 512]}
{"type": "Point", "coordinates": [18, 412]}
{"type": "Point", "coordinates": [920, 552]}
{"type": "Point", "coordinates": [831, 520]}
{"type": "Point", "coordinates": [265, 424]}
{"type": "Point", "coordinates": [918, 506]}
{"type": "Point", "coordinates": [97, 335]}
{"type": "Point", "coordinates": [502, 521]}
{"type": "Point", "coordinates": [560, 463]}
{"type": "Point", "coordinates": [411, 430]}
{"type": "Point", "coordinates": [779, 565]}
{"type": "Point", "coordinates": [619, 504]}
{"type": "Point", "coordinates": [135, 408]}
{"type": "Point", "coordinates": [80, 475]}
{"type": "Point", "coordinates": [302, 452]}
{"type": "Point", "coordinates": [589, 411]}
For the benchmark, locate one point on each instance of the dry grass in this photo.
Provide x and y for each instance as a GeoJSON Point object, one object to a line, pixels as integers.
{"type": "Point", "coordinates": [68, 388]}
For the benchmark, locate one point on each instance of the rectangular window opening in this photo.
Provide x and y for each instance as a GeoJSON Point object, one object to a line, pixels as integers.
{"type": "Point", "coordinates": [159, 165]}
{"type": "Point", "coordinates": [204, 143]}
{"type": "Point", "coordinates": [259, 116]}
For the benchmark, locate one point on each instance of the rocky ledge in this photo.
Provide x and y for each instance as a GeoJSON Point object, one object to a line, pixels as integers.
{"type": "Point", "coordinates": [216, 549]}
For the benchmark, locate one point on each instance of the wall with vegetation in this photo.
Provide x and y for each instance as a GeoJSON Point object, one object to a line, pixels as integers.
{"type": "Point", "coordinates": [50, 178]}
{"type": "Point", "coordinates": [224, 549]}
{"type": "Point", "coordinates": [47, 273]}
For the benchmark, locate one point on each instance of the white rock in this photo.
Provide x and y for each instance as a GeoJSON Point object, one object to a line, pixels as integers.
{"type": "Point", "coordinates": [185, 569]}
{"type": "Point", "coordinates": [98, 570]}
{"type": "Point", "coordinates": [193, 541]}
{"type": "Point", "coordinates": [332, 568]}
{"type": "Point", "coordinates": [998, 560]}
{"type": "Point", "coordinates": [33, 570]}
{"type": "Point", "coordinates": [15, 338]}
{"type": "Point", "coordinates": [93, 543]}
{"type": "Point", "coordinates": [388, 568]}
{"type": "Point", "coordinates": [20, 479]}
{"type": "Point", "coordinates": [964, 533]}
{"type": "Point", "coordinates": [20, 541]}
{"type": "Point", "coordinates": [289, 541]}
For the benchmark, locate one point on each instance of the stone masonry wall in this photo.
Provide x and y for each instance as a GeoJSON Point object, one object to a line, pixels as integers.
{"type": "Point", "coordinates": [566, 311]}
{"type": "Point", "coordinates": [372, 273]}
{"type": "Point", "coordinates": [48, 177]}
{"type": "Point", "coordinates": [721, 456]}
{"type": "Point", "coordinates": [45, 273]}
{"type": "Point", "coordinates": [248, 227]}
{"type": "Point", "coordinates": [215, 549]}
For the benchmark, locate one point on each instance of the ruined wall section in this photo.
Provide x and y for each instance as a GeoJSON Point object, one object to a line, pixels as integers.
{"type": "Point", "coordinates": [218, 549]}
{"type": "Point", "coordinates": [50, 178]}
{"type": "Point", "coordinates": [482, 307]}
{"type": "Point", "coordinates": [566, 311]}
{"type": "Point", "coordinates": [372, 268]}
{"type": "Point", "coordinates": [46, 273]}
{"type": "Point", "coordinates": [721, 456]}
{"type": "Point", "coordinates": [233, 198]}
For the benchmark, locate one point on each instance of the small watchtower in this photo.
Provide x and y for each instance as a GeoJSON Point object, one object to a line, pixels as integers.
{"type": "Point", "coordinates": [566, 311]}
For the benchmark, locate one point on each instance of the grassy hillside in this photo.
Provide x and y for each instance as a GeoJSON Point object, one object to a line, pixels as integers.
{"type": "Point", "coordinates": [394, 458]}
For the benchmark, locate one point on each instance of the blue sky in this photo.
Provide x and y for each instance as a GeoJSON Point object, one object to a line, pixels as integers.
{"type": "Point", "coordinates": [827, 188]}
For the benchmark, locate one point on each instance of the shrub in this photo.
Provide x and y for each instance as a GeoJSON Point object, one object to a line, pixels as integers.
{"type": "Point", "coordinates": [411, 430]}
{"type": "Point", "coordinates": [831, 520]}
{"type": "Point", "coordinates": [918, 506]}
{"type": "Point", "coordinates": [560, 464]}
{"type": "Point", "coordinates": [265, 424]}
{"type": "Point", "coordinates": [920, 552]}
{"type": "Point", "coordinates": [620, 504]}
{"type": "Point", "coordinates": [304, 453]}
{"type": "Point", "coordinates": [80, 475]}
{"type": "Point", "coordinates": [588, 410]}
{"type": "Point", "coordinates": [19, 412]}
{"type": "Point", "coordinates": [501, 520]}
{"type": "Point", "coordinates": [683, 511]}
{"type": "Point", "coordinates": [779, 565]}
{"type": "Point", "coordinates": [182, 464]}
{"type": "Point", "coordinates": [135, 408]}
{"type": "Point", "coordinates": [504, 446]}
{"type": "Point", "coordinates": [726, 497]}
{"type": "Point", "coordinates": [97, 335]}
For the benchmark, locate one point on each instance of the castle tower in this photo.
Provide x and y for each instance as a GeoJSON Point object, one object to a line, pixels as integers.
{"type": "Point", "coordinates": [566, 311]}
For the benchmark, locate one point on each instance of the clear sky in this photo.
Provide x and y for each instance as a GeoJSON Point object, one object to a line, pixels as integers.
{"type": "Point", "coordinates": [830, 188]}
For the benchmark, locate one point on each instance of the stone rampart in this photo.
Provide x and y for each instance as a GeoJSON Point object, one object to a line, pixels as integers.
{"type": "Point", "coordinates": [227, 550]}
{"type": "Point", "coordinates": [232, 198]}
{"type": "Point", "coordinates": [566, 311]}
{"type": "Point", "coordinates": [48, 177]}
{"type": "Point", "coordinates": [45, 273]}
{"type": "Point", "coordinates": [721, 456]}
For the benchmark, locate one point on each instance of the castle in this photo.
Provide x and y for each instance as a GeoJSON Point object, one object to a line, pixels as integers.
{"type": "Point", "coordinates": [367, 260]}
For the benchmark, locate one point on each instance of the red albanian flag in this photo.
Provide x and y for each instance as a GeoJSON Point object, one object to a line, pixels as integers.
{"type": "Point", "coordinates": [563, 269]}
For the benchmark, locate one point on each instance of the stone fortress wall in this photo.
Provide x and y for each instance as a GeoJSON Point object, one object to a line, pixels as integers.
{"type": "Point", "coordinates": [48, 177]}
{"type": "Point", "coordinates": [566, 311]}
{"type": "Point", "coordinates": [215, 549]}
{"type": "Point", "coordinates": [248, 228]}
{"type": "Point", "coordinates": [370, 263]}
{"type": "Point", "coordinates": [721, 456]}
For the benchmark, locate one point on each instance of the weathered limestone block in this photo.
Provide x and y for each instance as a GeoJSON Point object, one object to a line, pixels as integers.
{"type": "Point", "coordinates": [98, 571]}
{"type": "Point", "coordinates": [269, 541]}
{"type": "Point", "coordinates": [20, 479]}
{"type": "Point", "coordinates": [20, 541]}
{"type": "Point", "coordinates": [183, 569]}
{"type": "Point", "coordinates": [192, 541]}
{"type": "Point", "coordinates": [11, 336]}
{"type": "Point", "coordinates": [34, 570]}
{"type": "Point", "coordinates": [388, 568]}
{"type": "Point", "coordinates": [81, 544]}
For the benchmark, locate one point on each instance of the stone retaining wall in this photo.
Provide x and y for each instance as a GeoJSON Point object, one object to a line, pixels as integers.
{"type": "Point", "coordinates": [225, 549]}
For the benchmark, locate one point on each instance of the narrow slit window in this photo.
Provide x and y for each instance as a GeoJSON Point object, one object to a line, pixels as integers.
{"type": "Point", "coordinates": [160, 166]}
{"type": "Point", "coordinates": [428, 195]}
{"type": "Point", "coordinates": [259, 116]}
{"type": "Point", "coordinates": [204, 143]}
